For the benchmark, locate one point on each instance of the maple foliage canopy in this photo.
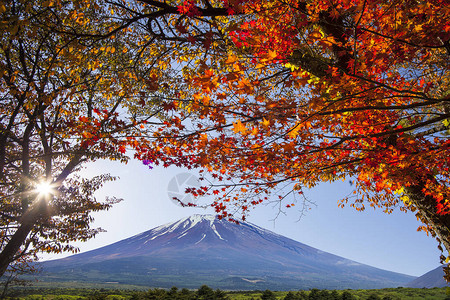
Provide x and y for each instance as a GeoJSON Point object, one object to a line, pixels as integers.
{"type": "Point", "coordinates": [292, 93]}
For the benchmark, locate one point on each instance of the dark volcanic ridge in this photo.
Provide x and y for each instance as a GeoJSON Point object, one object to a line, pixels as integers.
{"type": "Point", "coordinates": [202, 249]}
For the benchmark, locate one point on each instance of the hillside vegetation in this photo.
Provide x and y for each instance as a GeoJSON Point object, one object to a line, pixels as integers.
{"type": "Point", "coordinates": [206, 293]}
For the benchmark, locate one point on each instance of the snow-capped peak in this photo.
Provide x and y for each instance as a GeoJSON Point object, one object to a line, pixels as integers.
{"type": "Point", "coordinates": [195, 219]}
{"type": "Point", "coordinates": [184, 225]}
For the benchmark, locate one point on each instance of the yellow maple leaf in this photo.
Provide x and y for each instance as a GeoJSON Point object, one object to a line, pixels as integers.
{"type": "Point", "coordinates": [291, 66]}
{"type": "Point", "coordinates": [272, 55]}
{"type": "Point", "coordinates": [265, 122]}
{"type": "Point", "coordinates": [238, 127]}
{"type": "Point", "coordinates": [231, 59]}
{"type": "Point", "coordinates": [294, 131]}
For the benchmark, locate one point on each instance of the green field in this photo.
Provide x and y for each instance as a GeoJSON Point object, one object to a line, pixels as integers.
{"type": "Point", "coordinates": [206, 293]}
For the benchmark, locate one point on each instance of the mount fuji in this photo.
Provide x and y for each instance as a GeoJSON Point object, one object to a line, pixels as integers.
{"type": "Point", "coordinates": [202, 249]}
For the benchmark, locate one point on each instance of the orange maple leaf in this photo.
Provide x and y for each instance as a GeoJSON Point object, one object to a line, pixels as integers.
{"type": "Point", "coordinates": [238, 127]}
{"type": "Point", "coordinates": [265, 122]}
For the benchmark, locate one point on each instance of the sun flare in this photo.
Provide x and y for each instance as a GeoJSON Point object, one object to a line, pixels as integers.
{"type": "Point", "coordinates": [44, 188]}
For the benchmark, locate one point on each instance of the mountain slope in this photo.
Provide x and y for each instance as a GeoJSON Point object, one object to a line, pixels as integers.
{"type": "Point", "coordinates": [205, 250]}
{"type": "Point", "coordinates": [434, 278]}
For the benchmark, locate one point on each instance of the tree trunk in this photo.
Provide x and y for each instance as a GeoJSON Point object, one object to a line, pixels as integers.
{"type": "Point", "coordinates": [13, 246]}
{"type": "Point", "coordinates": [27, 223]}
{"type": "Point", "coordinates": [427, 212]}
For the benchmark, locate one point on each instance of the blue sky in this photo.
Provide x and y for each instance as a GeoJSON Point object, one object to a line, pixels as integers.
{"type": "Point", "coordinates": [389, 242]}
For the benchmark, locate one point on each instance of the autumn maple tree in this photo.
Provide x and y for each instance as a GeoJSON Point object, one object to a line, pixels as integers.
{"type": "Point", "coordinates": [67, 98]}
{"type": "Point", "coordinates": [292, 93]}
